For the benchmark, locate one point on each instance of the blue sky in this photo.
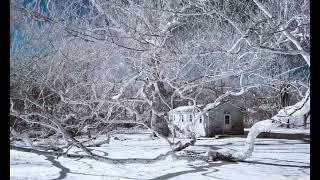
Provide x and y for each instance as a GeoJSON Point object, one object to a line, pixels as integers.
{"type": "Point", "coordinates": [16, 35]}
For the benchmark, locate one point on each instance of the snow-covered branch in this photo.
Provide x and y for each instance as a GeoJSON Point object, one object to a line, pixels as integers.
{"type": "Point", "coordinates": [296, 111]}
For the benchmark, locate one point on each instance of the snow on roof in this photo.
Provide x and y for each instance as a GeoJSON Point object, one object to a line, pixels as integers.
{"type": "Point", "coordinates": [185, 109]}
{"type": "Point", "coordinates": [212, 106]}
{"type": "Point", "coordinates": [202, 107]}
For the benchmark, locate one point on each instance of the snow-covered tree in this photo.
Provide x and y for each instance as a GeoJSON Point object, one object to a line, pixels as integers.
{"type": "Point", "coordinates": [89, 60]}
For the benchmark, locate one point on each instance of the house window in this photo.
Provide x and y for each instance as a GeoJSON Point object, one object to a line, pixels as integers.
{"type": "Point", "coordinates": [227, 117]}
{"type": "Point", "coordinates": [200, 119]}
{"type": "Point", "coordinates": [190, 118]}
{"type": "Point", "coordinates": [181, 117]}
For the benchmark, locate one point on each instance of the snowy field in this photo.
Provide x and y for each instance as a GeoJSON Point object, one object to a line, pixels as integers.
{"type": "Point", "coordinates": [287, 131]}
{"type": "Point", "coordinates": [271, 159]}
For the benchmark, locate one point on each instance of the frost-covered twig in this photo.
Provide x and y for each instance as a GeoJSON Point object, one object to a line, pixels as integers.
{"type": "Point", "coordinates": [125, 85]}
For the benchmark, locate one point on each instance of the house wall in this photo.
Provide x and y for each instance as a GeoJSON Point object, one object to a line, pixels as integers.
{"type": "Point", "coordinates": [214, 124]}
{"type": "Point", "coordinates": [193, 126]}
{"type": "Point", "coordinates": [217, 124]}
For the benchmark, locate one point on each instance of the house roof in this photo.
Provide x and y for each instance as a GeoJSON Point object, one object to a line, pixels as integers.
{"type": "Point", "coordinates": [185, 109]}
{"type": "Point", "coordinates": [191, 108]}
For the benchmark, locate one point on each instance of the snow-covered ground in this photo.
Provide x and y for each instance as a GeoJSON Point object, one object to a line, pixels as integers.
{"type": "Point", "coordinates": [288, 130]}
{"type": "Point", "coordinates": [271, 159]}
